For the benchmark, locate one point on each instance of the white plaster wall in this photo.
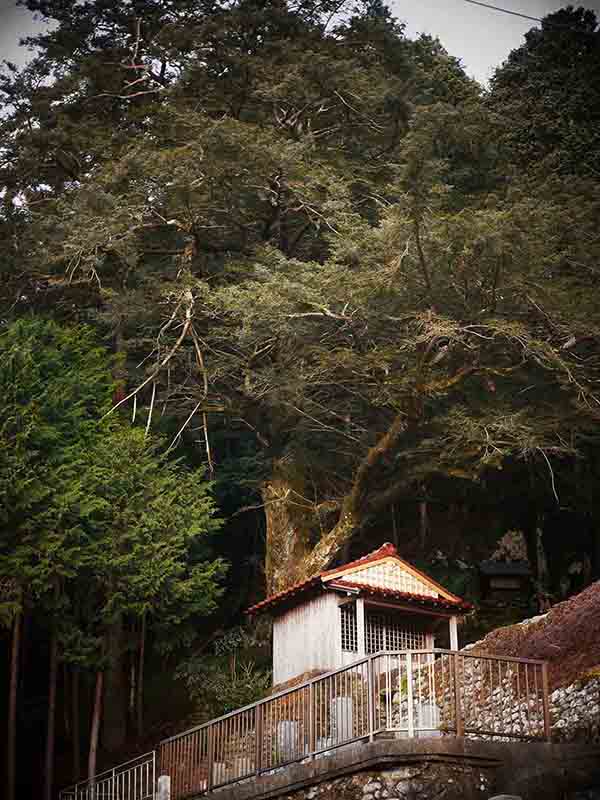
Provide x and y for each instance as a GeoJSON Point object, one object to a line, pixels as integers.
{"type": "Point", "coordinates": [307, 637]}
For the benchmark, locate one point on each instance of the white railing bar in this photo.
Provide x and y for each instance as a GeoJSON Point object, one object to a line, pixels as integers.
{"type": "Point", "coordinates": [109, 775]}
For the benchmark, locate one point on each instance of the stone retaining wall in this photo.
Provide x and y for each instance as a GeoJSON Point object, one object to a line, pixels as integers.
{"type": "Point", "coordinates": [575, 711]}
{"type": "Point", "coordinates": [442, 768]}
{"type": "Point", "coordinates": [420, 782]}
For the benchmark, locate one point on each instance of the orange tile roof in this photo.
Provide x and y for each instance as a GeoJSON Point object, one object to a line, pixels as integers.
{"type": "Point", "coordinates": [294, 593]}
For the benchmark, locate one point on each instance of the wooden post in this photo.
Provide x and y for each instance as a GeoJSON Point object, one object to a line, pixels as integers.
{"type": "Point", "coordinates": [453, 633]}
{"type": "Point", "coordinates": [546, 702]}
{"type": "Point", "coordinates": [409, 695]}
{"type": "Point", "coordinates": [360, 626]}
{"type": "Point", "coordinates": [460, 727]}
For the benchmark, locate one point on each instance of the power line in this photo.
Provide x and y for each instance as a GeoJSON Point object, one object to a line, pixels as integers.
{"type": "Point", "coordinates": [531, 19]}
{"type": "Point", "coordinates": [503, 10]}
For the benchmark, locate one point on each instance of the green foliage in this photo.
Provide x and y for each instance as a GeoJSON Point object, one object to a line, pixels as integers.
{"type": "Point", "coordinates": [548, 93]}
{"type": "Point", "coordinates": [341, 278]}
{"type": "Point", "coordinates": [216, 690]}
{"type": "Point", "coordinates": [139, 524]}
{"type": "Point", "coordinates": [318, 236]}
{"type": "Point", "coordinates": [227, 680]}
{"type": "Point", "coordinates": [54, 384]}
{"type": "Point", "coordinates": [96, 523]}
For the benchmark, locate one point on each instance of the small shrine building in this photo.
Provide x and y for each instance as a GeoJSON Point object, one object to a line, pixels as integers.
{"type": "Point", "coordinates": [378, 602]}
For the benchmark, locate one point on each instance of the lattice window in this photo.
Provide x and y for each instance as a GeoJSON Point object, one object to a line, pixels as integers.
{"type": "Point", "coordinates": [386, 632]}
{"type": "Point", "coordinates": [348, 628]}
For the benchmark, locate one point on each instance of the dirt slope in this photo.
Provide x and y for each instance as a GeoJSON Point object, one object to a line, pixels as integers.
{"type": "Point", "coordinates": [568, 637]}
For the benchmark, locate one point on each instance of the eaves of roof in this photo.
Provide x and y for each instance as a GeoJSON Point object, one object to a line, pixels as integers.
{"type": "Point", "coordinates": [404, 597]}
{"type": "Point", "coordinates": [293, 594]}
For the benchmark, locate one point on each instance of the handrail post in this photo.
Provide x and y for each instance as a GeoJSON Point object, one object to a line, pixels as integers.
{"type": "Point", "coordinates": [371, 698]}
{"type": "Point", "coordinates": [211, 757]}
{"type": "Point", "coordinates": [112, 780]}
{"type": "Point", "coordinates": [312, 720]}
{"type": "Point", "coordinates": [388, 692]}
{"type": "Point", "coordinates": [460, 727]}
{"type": "Point", "coordinates": [259, 738]}
{"type": "Point", "coordinates": [546, 702]}
{"type": "Point", "coordinates": [409, 694]}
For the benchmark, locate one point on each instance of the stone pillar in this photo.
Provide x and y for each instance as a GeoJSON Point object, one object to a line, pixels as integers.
{"type": "Point", "coordinates": [342, 719]}
{"type": "Point", "coordinates": [288, 739]}
{"type": "Point", "coordinates": [164, 788]}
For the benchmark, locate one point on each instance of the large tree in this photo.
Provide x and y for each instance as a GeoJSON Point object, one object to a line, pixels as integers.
{"type": "Point", "coordinates": [319, 234]}
{"type": "Point", "coordinates": [548, 90]}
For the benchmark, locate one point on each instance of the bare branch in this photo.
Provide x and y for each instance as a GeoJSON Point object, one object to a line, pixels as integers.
{"type": "Point", "coordinates": [184, 426]}
{"type": "Point", "coordinates": [551, 475]}
{"type": "Point", "coordinates": [211, 467]}
{"type": "Point", "coordinates": [149, 420]}
{"type": "Point", "coordinates": [163, 363]}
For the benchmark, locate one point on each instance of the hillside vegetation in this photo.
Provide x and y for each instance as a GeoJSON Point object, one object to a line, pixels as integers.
{"type": "Point", "coordinates": [277, 284]}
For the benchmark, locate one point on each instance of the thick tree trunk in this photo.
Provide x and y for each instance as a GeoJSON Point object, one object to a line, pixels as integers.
{"type": "Point", "coordinates": [140, 679]}
{"type": "Point", "coordinates": [290, 523]}
{"type": "Point", "coordinates": [75, 729]}
{"type": "Point", "coordinates": [51, 727]}
{"type": "Point", "coordinates": [366, 498]}
{"type": "Point", "coordinates": [95, 730]}
{"type": "Point", "coordinates": [114, 730]}
{"type": "Point", "coordinates": [11, 749]}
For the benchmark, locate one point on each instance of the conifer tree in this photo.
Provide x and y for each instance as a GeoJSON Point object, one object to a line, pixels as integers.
{"type": "Point", "coordinates": [97, 528]}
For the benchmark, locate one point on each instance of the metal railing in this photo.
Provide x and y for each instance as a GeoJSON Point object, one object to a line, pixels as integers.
{"type": "Point", "coordinates": [133, 780]}
{"type": "Point", "coordinates": [401, 694]}
{"type": "Point", "coordinates": [393, 694]}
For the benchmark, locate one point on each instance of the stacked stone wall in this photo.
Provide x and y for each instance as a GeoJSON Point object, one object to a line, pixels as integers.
{"type": "Point", "coordinates": [575, 711]}
{"type": "Point", "coordinates": [425, 781]}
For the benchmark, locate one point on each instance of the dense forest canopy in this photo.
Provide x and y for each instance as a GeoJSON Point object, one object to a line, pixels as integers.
{"type": "Point", "coordinates": [278, 264]}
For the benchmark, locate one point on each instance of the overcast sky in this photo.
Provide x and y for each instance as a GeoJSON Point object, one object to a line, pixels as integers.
{"type": "Point", "coordinates": [481, 38]}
